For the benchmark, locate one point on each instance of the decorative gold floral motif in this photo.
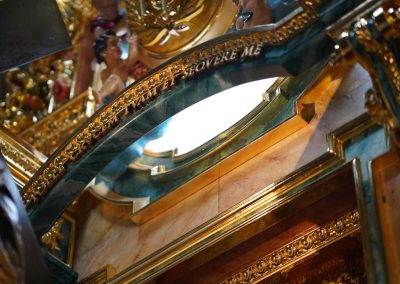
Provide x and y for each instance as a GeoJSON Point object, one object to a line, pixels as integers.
{"type": "Point", "coordinates": [298, 249]}
{"type": "Point", "coordinates": [52, 237]}
{"type": "Point", "coordinates": [144, 92]}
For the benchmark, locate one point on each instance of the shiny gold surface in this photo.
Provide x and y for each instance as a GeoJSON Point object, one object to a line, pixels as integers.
{"type": "Point", "coordinates": [293, 252]}
{"type": "Point", "coordinates": [166, 28]}
{"type": "Point", "coordinates": [139, 95]}
{"type": "Point", "coordinates": [72, 237]}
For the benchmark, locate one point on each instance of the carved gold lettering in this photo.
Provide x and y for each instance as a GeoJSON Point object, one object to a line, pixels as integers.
{"type": "Point", "coordinates": [225, 57]}
{"type": "Point", "coordinates": [209, 61]}
{"type": "Point", "coordinates": [153, 92]}
{"type": "Point", "coordinates": [233, 55]}
{"type": "Point", "coordinates": [217, 60]}
{"type": "Point", "coordinates": [191, 71]}
{"type": "Point", "coordinates": [248, 51]}
{"type": "Point", "coordinates": [258, 49]}
{"type": "Point", "coordinates": [200, 67]}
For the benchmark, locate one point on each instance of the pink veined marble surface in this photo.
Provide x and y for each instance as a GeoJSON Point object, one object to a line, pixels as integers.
{"type": "Point", "coordinates": [106, 235]}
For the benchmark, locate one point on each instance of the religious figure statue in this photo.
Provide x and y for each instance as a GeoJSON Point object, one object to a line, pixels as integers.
{"type": "Point", "coordinates": [117, 71]}
{"type": "Point", "coordinates": [109, 19]}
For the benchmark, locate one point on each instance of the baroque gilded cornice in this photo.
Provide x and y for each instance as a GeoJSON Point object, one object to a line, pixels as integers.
{"type": "Point", "coordinates": [243, 44]}
{"type": "Point", "coordinates": [297, 250]}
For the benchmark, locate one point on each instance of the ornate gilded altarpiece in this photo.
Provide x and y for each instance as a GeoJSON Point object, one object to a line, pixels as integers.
{"type": "Point", "coordinates": [368, 33]}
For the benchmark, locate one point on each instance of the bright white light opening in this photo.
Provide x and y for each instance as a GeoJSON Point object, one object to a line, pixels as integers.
{"type": "Point", "coordinates": [201, 122]}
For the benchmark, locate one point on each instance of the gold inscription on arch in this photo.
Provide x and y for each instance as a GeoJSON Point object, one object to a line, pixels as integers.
{"type": "Point", "coordinates": [219, 59]}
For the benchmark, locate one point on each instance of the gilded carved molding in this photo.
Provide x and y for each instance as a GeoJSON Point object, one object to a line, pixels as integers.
{"type": "Point", "coordinates": [157, 83]}
{"type": "Point", "coordinates": [297, 250]}
{"type": "Point", "coordinates": [22, 161]}
{"type": "Point", "coordinates": [16, 157]}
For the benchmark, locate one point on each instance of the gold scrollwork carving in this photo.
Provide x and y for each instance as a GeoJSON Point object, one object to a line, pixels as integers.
{"type": "Point", "coordinates": [12, 154]}
{"type": "Point", "coordinates": [297, 250]}
{"type": "Point", "coordinates": [21, 159]}
{"type": "Point", "coordinates": [141, 94]}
